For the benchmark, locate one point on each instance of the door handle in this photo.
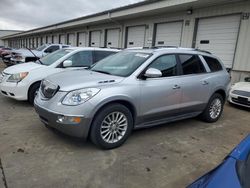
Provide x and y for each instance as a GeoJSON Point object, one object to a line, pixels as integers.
{"type": "Point", "coordinates": [205, 82]}
{"type": "Point", "coordinates": [176, 87]}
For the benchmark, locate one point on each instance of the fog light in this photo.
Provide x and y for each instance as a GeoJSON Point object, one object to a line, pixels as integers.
{"type": "Point", "coordinates": [68, 119]}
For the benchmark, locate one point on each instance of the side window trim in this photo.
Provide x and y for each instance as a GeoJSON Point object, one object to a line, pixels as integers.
{"type": "Point", "coordinates": [141, 75]}
{"type": "Point", "coordinates": [197, 57]}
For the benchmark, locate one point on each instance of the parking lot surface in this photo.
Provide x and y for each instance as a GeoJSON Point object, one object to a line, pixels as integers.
{"type": "Point", "coordinates": [171, 155]}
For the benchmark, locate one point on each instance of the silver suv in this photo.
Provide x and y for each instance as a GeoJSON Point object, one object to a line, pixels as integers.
{"type": "Point", "coordinates": [135, 88]}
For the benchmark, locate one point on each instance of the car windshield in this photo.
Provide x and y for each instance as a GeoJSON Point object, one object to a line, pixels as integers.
{"type": "Point", "coordinates": [40, 48]}
{"type": "Point", "coordinates": [51, 58]}
{"type": "Point", "coordinates": [121, 64]}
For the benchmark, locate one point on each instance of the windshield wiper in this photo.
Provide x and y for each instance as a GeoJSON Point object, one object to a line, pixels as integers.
{"type": "Point", "coordinates": [100, 71]}
{"type": "Point", "coordinates": [39, 61]}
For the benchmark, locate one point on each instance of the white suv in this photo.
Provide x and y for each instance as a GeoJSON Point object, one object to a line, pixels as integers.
{"type": "Point", "coordinates": [21, 81]}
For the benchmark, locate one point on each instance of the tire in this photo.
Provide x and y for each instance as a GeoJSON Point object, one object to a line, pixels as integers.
{"type": "Point", "coordinates": [214, 109]}
{"type": "Point", "coordinates": [32, 92]}
{"type": "Point", "coordinates": [118, 131]}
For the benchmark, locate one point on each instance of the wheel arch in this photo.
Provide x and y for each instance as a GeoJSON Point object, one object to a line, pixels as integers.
{"type": "Point", "coordinates": [222, 93]}
{"type": "Point", "coordinates": [36, 82]}
{"type": "Point", "coordinates": [124, 102]}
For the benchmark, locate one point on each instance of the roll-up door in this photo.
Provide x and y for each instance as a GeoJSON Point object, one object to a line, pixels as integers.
{"type": "Point", "coordinates": [62, 39]}
{"type": "Point", "coordinates": [112, 38]}
{"type": "Point", "coordinates": [136, 36]}
{"type": "Point", "coordinates": [71, 39]}
{"type": "Point", "coordinates": [82, 39]}
{"type": "Point", "coordinates": [168, 34]}
{"type": "Point", "coordinates": [219, 36]}
{"type": "Point", "coordinates": [95, 38]}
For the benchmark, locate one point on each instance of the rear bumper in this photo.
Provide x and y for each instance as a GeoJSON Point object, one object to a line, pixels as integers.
{"type": "Point", "coordinates": [50, 118]}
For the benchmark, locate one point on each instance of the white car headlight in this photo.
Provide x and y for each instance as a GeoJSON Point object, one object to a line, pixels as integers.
{"type": "Point", "coordinates": [80, 96]}
{"type": "Point", "coordinates": [17, 77]}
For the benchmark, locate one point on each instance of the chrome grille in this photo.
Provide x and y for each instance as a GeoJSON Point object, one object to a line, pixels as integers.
{"type": "Point", "coordinates": [242, 93]}
{"type": "Point", "coordinates": [48, 89]}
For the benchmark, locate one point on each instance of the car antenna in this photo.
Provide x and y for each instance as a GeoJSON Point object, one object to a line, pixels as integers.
{"type": "Point", "coordinates": [33, 54]}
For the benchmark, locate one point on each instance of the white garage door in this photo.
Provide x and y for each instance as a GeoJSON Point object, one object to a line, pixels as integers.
{"type": "Point", "coordinates": [219, 36]}
{"type": "Point", "coordinates": [168, 34]}
{"type": "Point", "coordinates": [39, 41]}
{"type": "Point", "coordinates": [55, 39]}
{"type": "Point", "coordinates": [44, 40]}
{"type": "Point", "coordinates": [49, 39]}
{"type": "Point", "coordinates": [82, 39]}
{"type": "Point", "coordinates": [62, 39]}
{"type": "Point", "coordinates": [95, 39]}
{"type": "Point", "coordinates": [35, 42]}
{"type": "Point", "coordinates": [136, 36]}
{"type": "Point", "coordinates": [72, 39]}
{"type": "Point", "coordinates": [113, 37]}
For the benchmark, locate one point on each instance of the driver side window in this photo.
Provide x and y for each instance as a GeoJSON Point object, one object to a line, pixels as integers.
{"type": "Point", "coordinates": [167, 64]}
{"type": "Point", "coordinates": [81, 59]}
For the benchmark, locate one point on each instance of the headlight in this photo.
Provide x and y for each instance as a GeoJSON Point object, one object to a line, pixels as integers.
{"type": "Point", "coordinates": [77, 97]}
{"type": "Point", "coordinates": [17, 77]}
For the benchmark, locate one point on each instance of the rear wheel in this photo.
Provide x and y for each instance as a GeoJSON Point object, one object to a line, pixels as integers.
{"type": "Point", "coordinates": [214, 109]}
{"type": "Point", "coordinates": [111, 126]}
{"type": "Point", "coordinates": [32, 92]}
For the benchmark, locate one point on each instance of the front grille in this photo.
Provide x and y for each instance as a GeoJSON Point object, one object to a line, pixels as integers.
{"type": "Point", "coordinates": [241, 100]}
{"type": "Point", "coordinates": [48, 89]}
{"type": "Point", "coordinates": [242, 93]}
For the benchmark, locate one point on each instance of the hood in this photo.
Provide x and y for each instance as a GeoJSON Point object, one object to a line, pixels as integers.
{"type": "Point", "coordinates": [24, 67]}
{"type": "Point", "coordinates": [243, 86]}
{"type": "Point", "coordinates": [27, 53]}
{"type": "Point", "coordinates": [78, 79]}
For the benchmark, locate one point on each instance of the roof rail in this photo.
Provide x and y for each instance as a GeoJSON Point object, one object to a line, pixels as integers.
{"type": "Point", "coordinates": [156, 47]}
{"type": "Point", "coordinates": [204, 51]}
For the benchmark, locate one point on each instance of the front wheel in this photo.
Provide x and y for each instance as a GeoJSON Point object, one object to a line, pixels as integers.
{"type": "Point", "coordinates": [214, 109]}
{"type": "Point", "coordinates": [111, 126]}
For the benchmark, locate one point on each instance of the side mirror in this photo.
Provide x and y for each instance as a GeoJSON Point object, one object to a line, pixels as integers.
{"type": "Point", "coordinates": [67, 63]}
{"type": "Point", "coordinates": [153, 73]}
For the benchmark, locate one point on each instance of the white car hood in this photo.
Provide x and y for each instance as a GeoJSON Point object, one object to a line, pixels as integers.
{"type": "Point", "coordinates": [27, 53]}
{"type": "Point", "coordinates": [243, 86]}
{"type": "Point", "coordinates": [24, 67]}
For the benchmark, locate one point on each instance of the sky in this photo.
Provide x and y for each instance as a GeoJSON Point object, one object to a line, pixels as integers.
{"type": "Point", "coordinates": [30, 14]}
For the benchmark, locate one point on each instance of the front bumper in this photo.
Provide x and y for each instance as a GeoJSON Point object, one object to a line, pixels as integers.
{"type": "Point", "coordinates": [16, 91]}
{"type": "Point", "coordinates": [50, 118]}
{"type": "Point", "coordinates": [239, 100]}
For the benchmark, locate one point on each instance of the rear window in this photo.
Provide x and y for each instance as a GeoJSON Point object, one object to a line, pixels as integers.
{"type": "Point", "coordinates": [213, 64]}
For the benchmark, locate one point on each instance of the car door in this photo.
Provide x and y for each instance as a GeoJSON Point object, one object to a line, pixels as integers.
{"type": "Point", "coordinates": [160, 97]}
{"type": "Point", "coordinates": [195, 85]}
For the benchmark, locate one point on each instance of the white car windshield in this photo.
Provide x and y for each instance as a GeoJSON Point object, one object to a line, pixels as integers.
{"type": "Point", "coordinates": [40, 48]}
{"type": "Point", "coordinates": [53, 57]}
{"type": "Point", "coordinates": [121, 64]}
